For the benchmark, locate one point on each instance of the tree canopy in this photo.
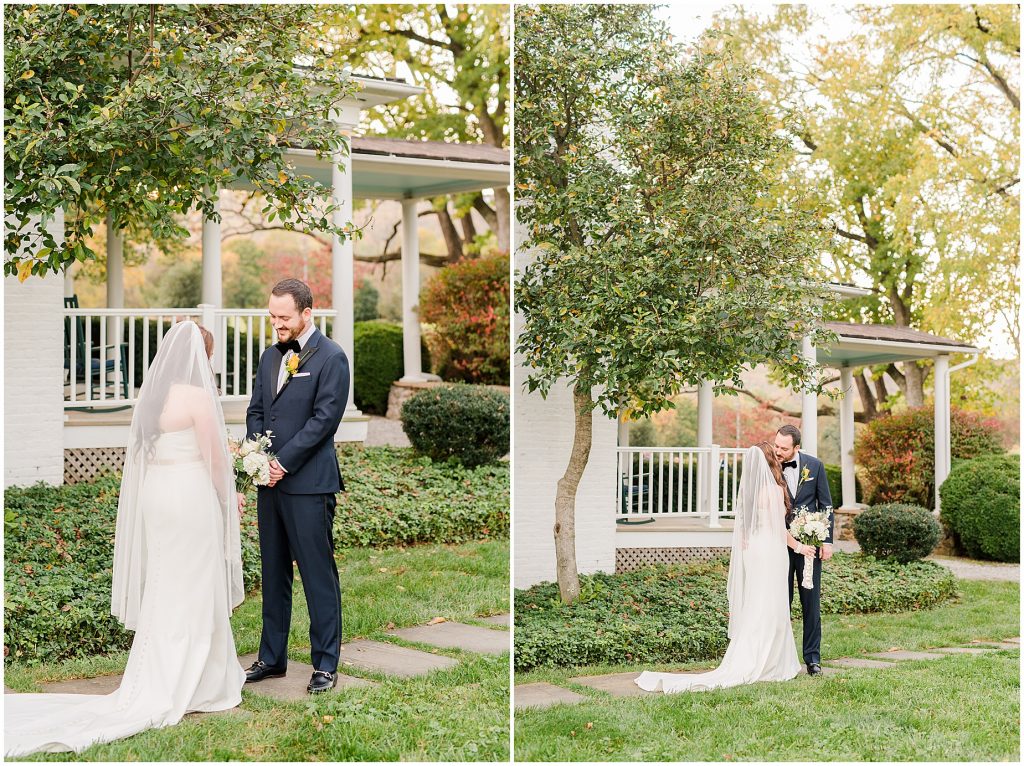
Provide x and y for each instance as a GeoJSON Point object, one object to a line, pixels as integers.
{"type": "Point", "coordinates": [143, 111]}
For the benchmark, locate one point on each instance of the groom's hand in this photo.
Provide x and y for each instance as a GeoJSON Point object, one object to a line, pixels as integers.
{"type": "Point", "coordinates": [276, 473]}
{"type": "Point", "coordinates": [826, 551]}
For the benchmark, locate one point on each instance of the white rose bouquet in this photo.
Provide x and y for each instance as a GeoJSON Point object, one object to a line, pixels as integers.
{"type": "Point", "coordinates": [252, 459]}
{"type": "Point", "coordinates": [810, 529]}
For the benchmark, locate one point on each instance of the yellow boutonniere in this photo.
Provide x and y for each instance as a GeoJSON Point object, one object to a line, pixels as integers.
{"type": "Point", "coordinates": [291, 365]}
{"type": "Point", "coordinates": [805, 475]}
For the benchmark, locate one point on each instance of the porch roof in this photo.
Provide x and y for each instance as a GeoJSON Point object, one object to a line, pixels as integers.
{"type": "Point", "coordinates": [866, 344]}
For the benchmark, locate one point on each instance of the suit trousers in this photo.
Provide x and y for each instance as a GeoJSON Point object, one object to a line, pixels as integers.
{"type": "Point", "coordinates": [810, 604]}
{"type": "Point", "coordinates": [299, 528]}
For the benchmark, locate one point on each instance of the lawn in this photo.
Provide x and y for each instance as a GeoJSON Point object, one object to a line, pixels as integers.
{"type": "Point", "coordinates": [461, 713]}
{"type": "Point", "coordinates": [955, 709]}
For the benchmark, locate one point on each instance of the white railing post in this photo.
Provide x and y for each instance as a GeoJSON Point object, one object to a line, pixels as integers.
{"type": "Point", "coordinates": [712, 478]}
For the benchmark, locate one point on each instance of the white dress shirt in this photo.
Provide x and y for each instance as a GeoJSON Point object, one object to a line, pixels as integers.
{"type": "Point", "coordinates": [791, 475]}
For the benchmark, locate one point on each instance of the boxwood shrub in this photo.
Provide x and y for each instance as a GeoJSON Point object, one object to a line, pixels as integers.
{"type": "Point", "coordinates": [981, 505]}
{"type": "Point", "coordinates": [377, 347]}
{"type": "Point", "coordinates": [897, 531]}
{"type": "Point", "coordinates": [470, 424]}
{"type": "Point", "coordinates": [679, 613]}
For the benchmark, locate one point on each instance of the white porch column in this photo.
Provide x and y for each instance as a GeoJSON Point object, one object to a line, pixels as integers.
{"type": "Point", "coordinates": [624, 429]}
{"type": "Point", "coordinates": [212, 270]}
{"type": "Point", "coordinates": [809, 418]}
{"type": "Point", "coordinates": [343, 268]}
{"type": "Point", "coordinates": [942, 449]}
{"type": "Point", "coordinates": [411, 292]}
{"type": "Point", "coordinates": [115, 265]}
{"type": "Point", "coordinates": [705, 483]}
{"type": "Point", "coordinates": [69, 281]}
{"type": "Point", "coordinates": [846, 427]}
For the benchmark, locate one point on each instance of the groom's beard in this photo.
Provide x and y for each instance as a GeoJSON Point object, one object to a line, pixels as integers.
{"type": "Point", "coordinates": [291, 334]}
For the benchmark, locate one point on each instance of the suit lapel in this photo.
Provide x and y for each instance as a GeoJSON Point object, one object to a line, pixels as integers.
{"type": "Point", "coordinates": [312, 346]}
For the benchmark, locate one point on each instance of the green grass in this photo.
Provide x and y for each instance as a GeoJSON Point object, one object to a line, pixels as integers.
{"type": "Point", "coordinates": [958, 708]}
{"type": "Point", "coordinates": [456, 714]}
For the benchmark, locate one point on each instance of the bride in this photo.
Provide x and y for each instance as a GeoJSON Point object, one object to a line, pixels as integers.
{"type": "Point", "coordinates": [177, 567]}
{"type": "Point", "coordinates": [761, 644]}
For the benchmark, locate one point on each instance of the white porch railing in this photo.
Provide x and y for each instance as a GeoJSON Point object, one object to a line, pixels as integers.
{"type": "Point", "coordinates": [107, 352]}
{"type": "Point", "coordinates": [680, 482]}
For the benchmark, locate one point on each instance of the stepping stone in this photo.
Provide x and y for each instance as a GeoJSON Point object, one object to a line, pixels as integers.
{"type": "Point", "coordinates": [996, 644]}
{"type": "Point", "coordinates": [392, 660]}
{"type": "Point", "coordinates": [965, 650]}
{"type": "Point", "coordinates": [825, 670]}
{"type": "Point", "coordinates": [455, 635]}
{"type": "Point", "coordinates": [1015, 640]}
{"type": "Point", "coordinates": [615, 684]}
{"type": "Point", "coordinates": [854, 662]}
{"type": "Point", "coordinates": [97, 685]}
{"type": "Point", "coordinates": [497, 619]}
{"type": "Point", "coordinates": [9, 691]}
{"type": "Point", "coordinates": [902, 655]}
{"type": "Point", "coordinates": [293, 686]}
{"type": "Point", "coordinates": [542, 695]}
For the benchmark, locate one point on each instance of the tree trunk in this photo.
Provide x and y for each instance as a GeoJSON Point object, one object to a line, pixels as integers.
{"type": "Point", "coordinates": [451, 234]}
{"type": "Point", "coordinates": [915, 384]}
{"type": "Point", "coordinates": [565, 498]}
{"type": "Point", "coordinates": [468, 229]}
{"type": "Point", "coordinates": [503, 208]}
{"type": "Point", "coordinates": [867, 399]}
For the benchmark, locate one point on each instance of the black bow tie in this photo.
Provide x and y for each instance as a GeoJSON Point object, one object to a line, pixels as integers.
{"type": "Point", "coordinates": [789, 464]}
{"type": "Point", "coordinates": [291, 344]}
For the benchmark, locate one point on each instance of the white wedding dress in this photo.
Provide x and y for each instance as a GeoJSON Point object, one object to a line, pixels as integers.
{"type": "Point", "coordinates": [183, 655]}
{"type": "Point", "coordinates": [761, 645]}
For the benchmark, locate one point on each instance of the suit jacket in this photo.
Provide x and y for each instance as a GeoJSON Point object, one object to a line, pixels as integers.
{"type": "Point", "coordinates": [812, 491]}
{"type": "Point", "coordinates": [304, 415]}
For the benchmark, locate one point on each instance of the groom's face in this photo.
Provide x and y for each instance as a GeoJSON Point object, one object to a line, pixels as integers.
{"type": "Point", "coordinates": [287, 320]}
{"type": "Point", "coordinates": [784, 447]}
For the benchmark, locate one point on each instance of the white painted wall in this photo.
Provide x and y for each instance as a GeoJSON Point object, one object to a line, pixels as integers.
{"type": "Point", "coordinates": [543, 441]}
{"type": "Point", "coordinates": [33, 377]}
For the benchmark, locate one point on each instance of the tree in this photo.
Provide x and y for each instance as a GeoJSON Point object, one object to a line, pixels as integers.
{"type": "Point", "coordinates": [457, 52]}
{"type": "Point", "coordinates": [245, 276]}
{"type": "Point", "coordinates": [141, 111]}
{"type": "Point", "coordinates": [661, 257]}
{"type": "Point", "coordinates": [909, 134]}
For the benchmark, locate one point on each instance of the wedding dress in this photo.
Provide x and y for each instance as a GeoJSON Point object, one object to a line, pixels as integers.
{"type": "Point", "coordinates": [177, 572]}
{"type": "Point", "coordinates": [761, 644]}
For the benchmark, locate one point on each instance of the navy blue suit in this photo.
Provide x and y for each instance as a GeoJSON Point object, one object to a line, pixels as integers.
{"type": "Point", "coordinates": [813, 493]}
{"type": "Point", "coordinates": [296, 516]}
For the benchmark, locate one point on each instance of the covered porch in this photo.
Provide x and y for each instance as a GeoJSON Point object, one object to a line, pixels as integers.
{"type": "Point", "coordinates": [683, 497]}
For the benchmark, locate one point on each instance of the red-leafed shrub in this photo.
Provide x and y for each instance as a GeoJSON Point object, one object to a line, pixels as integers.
{"type": "Point", "coordinates": [467, 303]}
{"type": "Point", "coordinates": [896, 454]}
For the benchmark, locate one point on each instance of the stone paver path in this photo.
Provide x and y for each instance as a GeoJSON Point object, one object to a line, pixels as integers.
{"type": "Point", "coordinates": [455, 635]}
{"type": "Point", "coordinates": [541, 695]}
{"type": "Point", "coordinates": [376, 656]}
{"type": "Point", "coordinates": [965, 569]}
{"type": "Point", "coordinates": [498, 619]}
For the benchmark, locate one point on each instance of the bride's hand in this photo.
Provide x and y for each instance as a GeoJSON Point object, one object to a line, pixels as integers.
{"type": "Point", "coordinates": [241, 503]}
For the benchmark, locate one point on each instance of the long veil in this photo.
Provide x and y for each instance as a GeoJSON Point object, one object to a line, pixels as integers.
{"type": "Point", "coordinates": [181, 360]}
{"type": "Point", "coordinates": [760, 511]}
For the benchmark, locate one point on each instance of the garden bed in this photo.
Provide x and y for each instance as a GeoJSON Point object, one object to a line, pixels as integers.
{"type": "Point", "coordinates": [679, 613]}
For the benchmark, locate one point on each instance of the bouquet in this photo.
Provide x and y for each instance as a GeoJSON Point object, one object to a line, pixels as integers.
{"type": "Point", "coordinates": [810, 529]}
{"type": "Point", "coordinates": [252, 459]}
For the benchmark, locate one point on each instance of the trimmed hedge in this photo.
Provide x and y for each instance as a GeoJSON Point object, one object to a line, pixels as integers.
{"type": "Point", "coordinates": [59, 541]}
{"type": "Point", "coordinates": [834, 474]}
{"type": "Point", "coordinates": [679, 613]}
{"type": "Point", "coordinates": [981, 505]}
{"type": "Point", "coordinates": [896, 531]}
{"type": "Point", "coordinates": [379, 363]}
{"type": "Point", "coordinates": [470, 424]}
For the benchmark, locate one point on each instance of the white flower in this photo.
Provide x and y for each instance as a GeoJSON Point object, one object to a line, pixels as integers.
{"type": "Point", "coordinates": [247, 447]}
{"type": "Point", "coordinates": [254, 463]}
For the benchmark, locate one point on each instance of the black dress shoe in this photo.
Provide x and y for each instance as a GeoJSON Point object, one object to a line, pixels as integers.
{"type": "Point", "coordinates": [260, 671]}
{"type": "Point", "coordinates": [813, 669]}
{"type": "Point", "coordinates": [322, 681]}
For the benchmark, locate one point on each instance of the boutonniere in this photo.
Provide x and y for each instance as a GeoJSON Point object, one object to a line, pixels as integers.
{"type": "Point", "coordinates": [294, 362]}
{"type": "Point", "coordinates": [805, 475]}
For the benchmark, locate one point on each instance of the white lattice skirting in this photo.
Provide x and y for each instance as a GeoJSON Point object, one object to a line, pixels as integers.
{"type": "Point", "coordinates": [89, 463]}
{"type": "Point", "coordinates": [628, 559]}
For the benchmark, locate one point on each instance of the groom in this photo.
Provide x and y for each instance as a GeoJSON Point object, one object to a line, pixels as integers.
{"type": "Point", "coordinates": [300, 393]}
{"type": "Point", "coordinates": [807, 485]}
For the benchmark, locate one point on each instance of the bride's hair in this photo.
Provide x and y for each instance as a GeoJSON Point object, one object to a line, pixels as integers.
{"type": "Point", "coordinates": [776, 469]}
